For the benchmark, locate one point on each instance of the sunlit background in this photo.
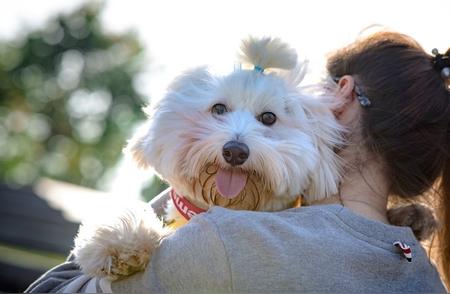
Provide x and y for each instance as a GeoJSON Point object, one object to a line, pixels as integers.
{"type": "Point", "coordinates": [75, 74]}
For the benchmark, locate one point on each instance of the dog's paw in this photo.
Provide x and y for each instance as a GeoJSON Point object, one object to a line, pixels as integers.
{"type": "Point", "coordinates": [121, 246]}
{"type": "Point", "coordinates": [417, 216]}
{"type": "Point", "coordinates": [122, 263]}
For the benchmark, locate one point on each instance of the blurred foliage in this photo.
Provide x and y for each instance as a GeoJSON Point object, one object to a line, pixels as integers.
{"type": "Point", "coordinates": [67, 101]}
{"type": "Point", "coordinates": [153, 188]}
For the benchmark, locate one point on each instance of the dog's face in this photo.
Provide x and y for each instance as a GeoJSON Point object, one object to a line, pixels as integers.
{"type": "Point", "coordinates": [245, 141]}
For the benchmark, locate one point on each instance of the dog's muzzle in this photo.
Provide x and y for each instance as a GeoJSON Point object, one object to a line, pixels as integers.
{"type": "Point", "coordinates": [235, 153]}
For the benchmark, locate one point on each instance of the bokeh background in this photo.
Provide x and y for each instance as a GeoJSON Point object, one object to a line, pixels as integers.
{"type": "Point", "coordinates": [75, 74]}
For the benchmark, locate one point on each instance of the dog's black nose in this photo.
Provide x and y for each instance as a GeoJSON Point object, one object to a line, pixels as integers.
{"type": "Point", "coordinates": [235, 153]}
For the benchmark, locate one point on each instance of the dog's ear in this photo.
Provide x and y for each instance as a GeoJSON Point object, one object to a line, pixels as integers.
{"type": "Point", "coordinates": [326, 133]}
{"type": "Point", "coordinates": [147, 145]}
{"type": "Point", "coordinates": [191, 81]}
{"type": "Point", "coordinates": [136, 147]}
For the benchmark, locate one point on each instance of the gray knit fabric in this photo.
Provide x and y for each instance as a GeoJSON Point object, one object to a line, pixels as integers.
{"type": "Point", "coordinates": [324, 248]}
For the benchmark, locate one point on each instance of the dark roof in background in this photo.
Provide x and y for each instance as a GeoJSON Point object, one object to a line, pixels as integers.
{"type": "Point", "coordinates": [29, 223]}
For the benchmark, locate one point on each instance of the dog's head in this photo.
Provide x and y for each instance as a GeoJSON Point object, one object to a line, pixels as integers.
{"type": "Point", "coordinates": [248, 140]}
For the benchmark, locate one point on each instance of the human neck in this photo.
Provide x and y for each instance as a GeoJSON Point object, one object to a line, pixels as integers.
{"type": "Point", "coordinates": [364, 188]}
{"type": "Point", "coordinates": [365, 192]}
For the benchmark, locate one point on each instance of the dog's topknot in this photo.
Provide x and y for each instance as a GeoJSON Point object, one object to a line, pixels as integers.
{"type": "Point", "coordinates": [268, 53]}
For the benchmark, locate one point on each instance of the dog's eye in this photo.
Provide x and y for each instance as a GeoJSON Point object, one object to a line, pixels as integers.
{"type": "Point", "coordinates": [219, 109]}
{"type": "Point", "coordinates": [267, 118]}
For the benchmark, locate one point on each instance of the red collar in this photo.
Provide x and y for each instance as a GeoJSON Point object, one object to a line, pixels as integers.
{"type": "Point", "coordinates": [184, 207]}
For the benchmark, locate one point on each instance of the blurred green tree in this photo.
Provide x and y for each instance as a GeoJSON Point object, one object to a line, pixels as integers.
{"type": "Point", "coordinates": [67, 101]}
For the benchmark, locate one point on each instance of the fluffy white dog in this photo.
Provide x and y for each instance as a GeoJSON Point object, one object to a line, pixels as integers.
{"type": "Point", "coordinates": [249, 140]}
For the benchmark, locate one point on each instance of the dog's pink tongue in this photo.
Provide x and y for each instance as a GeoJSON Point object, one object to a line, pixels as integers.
{"type": "Point", "coordinates": [230, 182]}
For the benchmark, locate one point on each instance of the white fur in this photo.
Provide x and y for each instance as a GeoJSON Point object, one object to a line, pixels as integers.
{"type": "Point", "coordinates": [295, 154]}
{"type": "Point", "coordinates": [268, 53]}
{"type": "Point", "coordinates": [291, 157]}
{"type": "Point", "coordinates": [120, 245]}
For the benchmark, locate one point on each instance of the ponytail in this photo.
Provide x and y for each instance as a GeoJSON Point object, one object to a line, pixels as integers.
{"type": "Point", "coordinates": [444, 203]}
{"type": "Point", "coordinates": [444, 232]}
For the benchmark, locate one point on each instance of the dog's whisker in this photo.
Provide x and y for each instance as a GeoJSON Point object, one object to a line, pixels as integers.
{"type": "Point", "coordinates": [215, 198]}
{"type": "Point", "coordinates": [258, 200]}
{"type": "Point", "coordinates": [254, 193]}
{"type": "Point", "coordinates": [203, 191]}
{"type": "Point", "coordinates": [211, 192]}
{"type": "Point", "coordinates": [236, 200]}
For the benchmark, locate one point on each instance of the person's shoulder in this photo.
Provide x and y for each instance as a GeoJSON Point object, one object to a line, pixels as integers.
{"type": "Point", "coordinates": [218, 211]}
{"type": "Point", "coordinates": [191, 257]}
{"type": "Point", "coordinates": [238, 219]}
{"type": "Point", "coordinates": [227, 222]}
{"type": "Point", "coordinates": [221, 215]}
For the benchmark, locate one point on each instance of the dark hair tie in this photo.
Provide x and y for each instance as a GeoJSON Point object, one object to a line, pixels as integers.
{"type": "Point", "coordinates": [441, 63]}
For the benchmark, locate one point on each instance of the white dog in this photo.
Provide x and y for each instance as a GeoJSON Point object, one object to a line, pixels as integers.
{"type": "Point", "coordinates": [248, 140]}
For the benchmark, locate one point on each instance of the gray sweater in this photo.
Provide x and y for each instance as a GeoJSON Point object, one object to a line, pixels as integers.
{"type": "Point", "coordinates": [311, 249]}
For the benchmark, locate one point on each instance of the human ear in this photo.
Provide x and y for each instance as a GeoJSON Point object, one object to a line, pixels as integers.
{"type": "Point", "coordinates": [346, 85]}
{"type": "Point", "coordinates": [344, 96]}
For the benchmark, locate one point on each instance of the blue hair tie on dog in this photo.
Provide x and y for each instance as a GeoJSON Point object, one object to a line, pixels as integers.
{"type": "Point", "coordinates": [258, 69]}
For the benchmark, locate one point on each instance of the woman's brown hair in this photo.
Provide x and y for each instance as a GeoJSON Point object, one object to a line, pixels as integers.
{"type": "Point", "coordinates": [408, 121]}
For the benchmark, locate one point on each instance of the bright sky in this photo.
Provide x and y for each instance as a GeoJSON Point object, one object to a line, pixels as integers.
{"type": "Point", "coordinates": [183, 34]}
